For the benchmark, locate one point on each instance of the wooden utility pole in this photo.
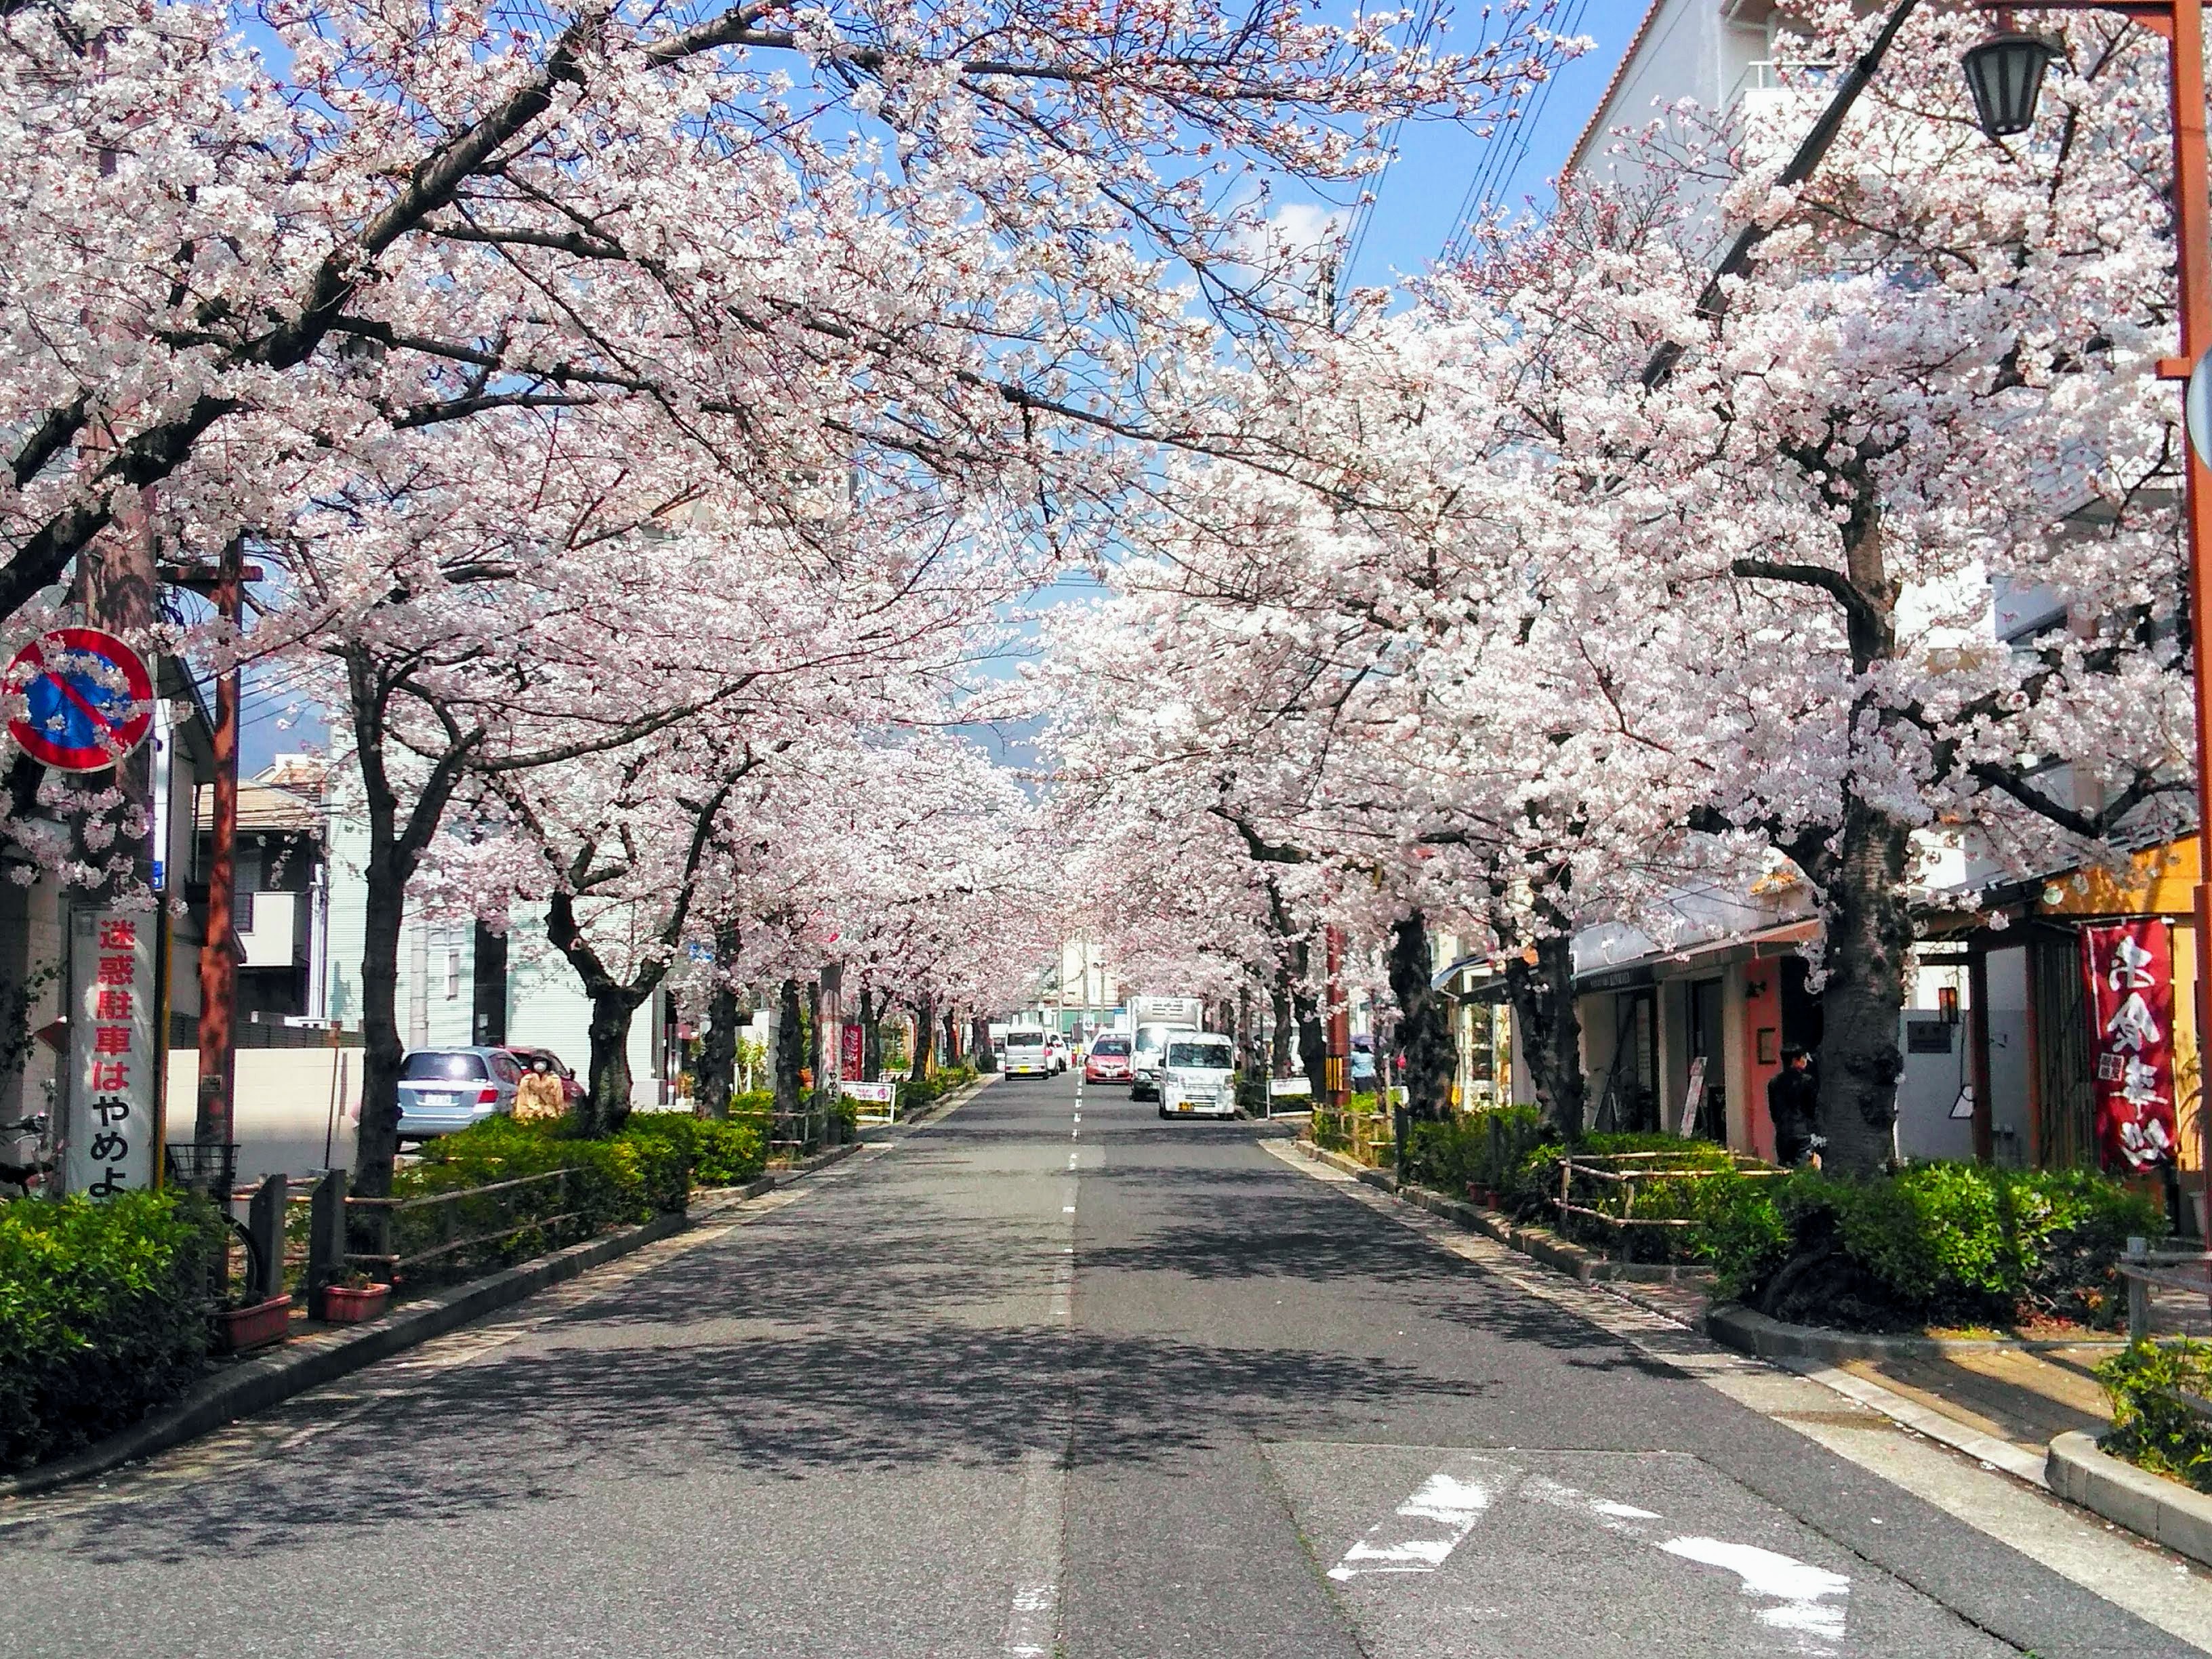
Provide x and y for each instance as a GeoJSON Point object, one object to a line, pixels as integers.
{"type": "Point", "coordinates": [214, 1121]}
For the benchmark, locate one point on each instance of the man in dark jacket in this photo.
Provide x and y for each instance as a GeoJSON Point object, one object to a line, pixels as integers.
{"type": "Point", "coordinates": [1793, 1102]}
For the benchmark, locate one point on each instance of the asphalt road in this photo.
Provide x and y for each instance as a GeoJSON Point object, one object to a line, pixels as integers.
{"type": "Point", "coordinates": [1050, 1377]}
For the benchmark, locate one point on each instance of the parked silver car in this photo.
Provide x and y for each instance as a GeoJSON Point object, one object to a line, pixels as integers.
{"type": "Point", "coordinates": [442, 1089]}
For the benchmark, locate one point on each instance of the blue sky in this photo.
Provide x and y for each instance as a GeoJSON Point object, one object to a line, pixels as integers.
{"type": "Point", "coordinates": [1419, 204]}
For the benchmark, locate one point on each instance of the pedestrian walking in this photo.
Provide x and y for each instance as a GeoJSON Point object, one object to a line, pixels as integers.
{"type": "Point", "coordinates": [1793, 1102]}
{"type": "Point", "coordinates": [540, 1093]}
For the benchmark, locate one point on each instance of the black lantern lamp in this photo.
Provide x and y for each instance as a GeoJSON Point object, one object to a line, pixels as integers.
{"type": "Point", "coordinates": [2005, 74]}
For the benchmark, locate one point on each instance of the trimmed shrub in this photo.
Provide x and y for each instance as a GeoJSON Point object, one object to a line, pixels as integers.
{"type": "Point", "coordinates": [104, 1315]}
{"type": "Point", "coordinates": [1485, 1149]}
{"type": "Point", "coordinates": [622, 1180]}
{"type": "Point", "coordinates": [1936, 1243]}
{"type": "Point", "coordinates": [2153, 1426]}
{"type": "Point", "coordinates": [1703, 1199]}
{"type": "Point", "coordinates": [721, 1152]}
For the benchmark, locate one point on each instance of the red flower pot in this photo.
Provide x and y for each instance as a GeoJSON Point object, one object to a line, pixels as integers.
{"type": "Point", "coordinates": [344, 1304]}
{"type": "Point", "coordinates": [241, 1330]}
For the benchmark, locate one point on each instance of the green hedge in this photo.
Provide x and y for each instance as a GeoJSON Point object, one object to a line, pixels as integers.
{"type": "Point", "coordinates": [104, 1315]}
{"type": "Point", "coordinates": [1936, 1242]}
{"type": "Point", "coordinates": [719, 1152]}
{"type": "Point", "coordinates": [913, 1096]}
{"type": "Point", "coordinates": [1332, 1127]}
{"type": "Point", "coordinates": [629, 1178]}
{"type": "Point", "coordinates": [2151, 1425]}
{"type": "Point", "coordinates": [1483, 1150]}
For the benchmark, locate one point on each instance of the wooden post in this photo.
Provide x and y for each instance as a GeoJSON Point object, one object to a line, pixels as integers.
{"type": "Point", "coordinates": [1977, 1033]}
{"type": "Point", "coordinates": [264, 1220]}
{"type": "Point", "coordinates": [326, 1237]}
{"type": "Point", "coordinates": [2138, 1292]}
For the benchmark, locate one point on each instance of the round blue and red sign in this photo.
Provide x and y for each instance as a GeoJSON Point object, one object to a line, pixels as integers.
{"type": "Point", "coordinates": [91, 701]}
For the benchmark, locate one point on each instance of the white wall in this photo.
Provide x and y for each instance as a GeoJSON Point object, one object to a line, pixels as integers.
{"type": "Point", "coordinates": [546, 1006]}
{"type": "Point", "coordinates": [437, 960]}
{"type": "Point", "coordinates": [1689, 51]}
{"type": "Point", "coordinates": [296, 1109]}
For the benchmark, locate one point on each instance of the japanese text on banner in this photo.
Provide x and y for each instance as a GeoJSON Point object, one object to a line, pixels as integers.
{"type": "Point", "coordinates": [112, 1136]}
{"type": "Point", "coordinates": [2129, 972]}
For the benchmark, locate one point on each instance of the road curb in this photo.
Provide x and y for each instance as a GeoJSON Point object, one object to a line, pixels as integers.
{"type": "Point", "coordinates": [254, 1385]}
{"type": "Point", "coordinates": [1537, 1243]}
{"type": "Point", "coordinates": [2158, 1509]}
{"type": "Point", "coordinates": [1737, 1327]}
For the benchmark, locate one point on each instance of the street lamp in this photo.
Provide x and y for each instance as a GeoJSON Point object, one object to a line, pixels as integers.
{"type": "Point", "coordinates": [2005, 74]}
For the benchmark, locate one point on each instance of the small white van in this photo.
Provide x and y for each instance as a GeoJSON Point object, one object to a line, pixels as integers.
{"type": "Point", "coordinates": [1024, 1055]}
{"type": "Point", "coordinates": [1197, 1076]}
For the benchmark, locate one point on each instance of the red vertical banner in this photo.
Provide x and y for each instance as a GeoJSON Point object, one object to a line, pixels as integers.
{"type": "Point", "coordinates": [2130, 971]}
{"type": "Point", "coordinates": [851, 1064]}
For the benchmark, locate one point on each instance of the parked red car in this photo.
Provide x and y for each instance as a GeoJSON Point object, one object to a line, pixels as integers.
{"type": "Point", "coordinates": [571, 1090]}
{"type": "Point", "coordinates": [1107, 1060]}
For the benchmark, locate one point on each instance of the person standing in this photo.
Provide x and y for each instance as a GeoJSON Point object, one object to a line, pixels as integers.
{"type": "Point", "coordinates": [1793, 1102]}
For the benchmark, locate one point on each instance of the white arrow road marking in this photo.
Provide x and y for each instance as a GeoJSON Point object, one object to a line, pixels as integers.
{"type": "Point", "coordinates": [1803, 1590]}
{"type": "Point", "coordinates": [1421, 1532]}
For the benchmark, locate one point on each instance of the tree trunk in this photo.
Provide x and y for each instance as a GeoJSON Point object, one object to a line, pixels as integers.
{"type": "Point", "coordinates": [925, 1037]}
{"type": "Point", "coordinates": [718, 1052]}
{"type": "Point", "coordinates": [606, 1103]}
{"type": "Point", "coordinates": [979, 1044]}
{"type": "Point", "coordinates": [1543, 998]}
{"type": "Point", "coordinates": [818, 1040]}
{"type": "Point", "coordinates": [1279, 1063]}
{"type": "Point", "coordinates": [871, 1038]}
{"type": "Point", "coordinates": [790, 1049]}
{"type": "Point", "coordinates": [1869, 932]}
{"type": "Point", "coordinates": [377, 1140]}
{"type": "Point", "coordinates": [1423, 1036]}
{"type": "Point", "coordinates": [951, 1038]}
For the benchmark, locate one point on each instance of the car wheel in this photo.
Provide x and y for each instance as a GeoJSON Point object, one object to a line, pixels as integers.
{"type": "Point", "coordinates": [1163, 1111]}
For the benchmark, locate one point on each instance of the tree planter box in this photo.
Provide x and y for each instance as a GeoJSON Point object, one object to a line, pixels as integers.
{"type": "Point", "coordinates": [241, 1330]}
{"type": "Point", "coordinates": [343, 1305]}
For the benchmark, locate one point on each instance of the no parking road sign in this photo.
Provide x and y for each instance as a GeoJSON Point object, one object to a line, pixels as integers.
{"type": "Point", "coordinates": [91, 699]}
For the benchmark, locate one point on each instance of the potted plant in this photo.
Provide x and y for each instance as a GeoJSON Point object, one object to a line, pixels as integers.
{"type": "Point", "coordinates": [241, 1330]}
{"type": "Point", "coordinates": [355, 1300]}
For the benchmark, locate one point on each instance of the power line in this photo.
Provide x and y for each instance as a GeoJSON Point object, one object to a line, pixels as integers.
{"type": "Point", "coordinates": [1502, 161]}
{"type": "Point", "coordinates": [1363, 212]}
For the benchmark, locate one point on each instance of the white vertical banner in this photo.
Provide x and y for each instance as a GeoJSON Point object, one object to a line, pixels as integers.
{"type": "Point", "coordinates": [114, 1139]}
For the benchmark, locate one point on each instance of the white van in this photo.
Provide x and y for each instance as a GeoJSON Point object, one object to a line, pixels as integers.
{"type": "Point", "coordinates": [1197, 1076]}
{"type": "Point", "coordinates": [1024, 1055]}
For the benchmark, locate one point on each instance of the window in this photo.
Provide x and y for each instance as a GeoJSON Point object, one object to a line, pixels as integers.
{"type": "Point", "coordinates": [1214, 1055]}
{"type": "Point", "coordinates": [1111, 1045]}
{"type": "Point", "coordinates": [1025, 1039]}
{"type": "Point", "coordinates": [431, 1066]}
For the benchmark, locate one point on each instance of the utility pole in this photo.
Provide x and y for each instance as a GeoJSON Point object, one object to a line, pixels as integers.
{"type": "Point", "coordinates": [1338, 1070]}
{"type": "Point", "coordinates": [213, 1121]}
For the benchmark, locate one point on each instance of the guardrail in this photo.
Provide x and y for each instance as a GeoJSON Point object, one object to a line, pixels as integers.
{"type": "Point", "coordinates": [450, 1237]}
{"type": "Point", "coordinates": [1641, 1166]}
{"type": "Point", "coordinates": [2146, 1269]}
{"type": "Point", "coordinates": [333, 1214]}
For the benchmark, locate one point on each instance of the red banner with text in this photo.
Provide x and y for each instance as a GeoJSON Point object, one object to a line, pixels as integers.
{"type": "Point", "coordinates": [2130, 971]}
